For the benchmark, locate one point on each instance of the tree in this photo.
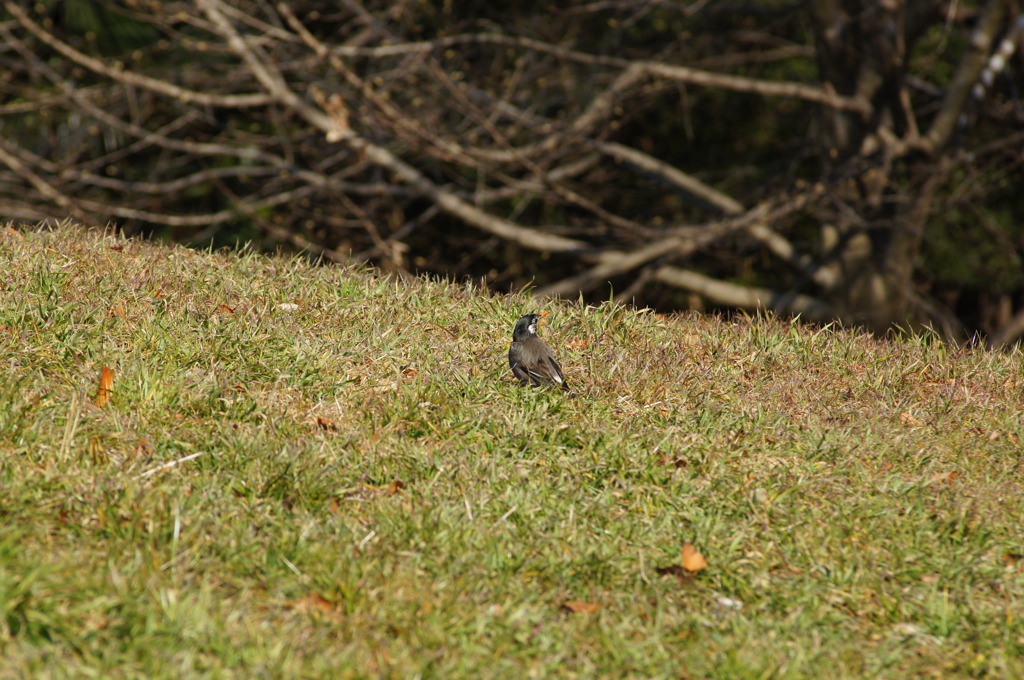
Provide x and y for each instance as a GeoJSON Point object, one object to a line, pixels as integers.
{"type": "Point", "coordinates": [815, 158]}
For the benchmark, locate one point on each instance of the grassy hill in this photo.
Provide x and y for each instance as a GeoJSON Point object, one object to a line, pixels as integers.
{"type": "Point", "coordinates": [326, 472]}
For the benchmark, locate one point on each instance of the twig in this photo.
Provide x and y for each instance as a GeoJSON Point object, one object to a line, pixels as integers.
{"type": "Point", "coordinates": [966, 76]}
{"type": "Point", "coordinates": [688, 183]}
{"type": "Point", "coordinates": [529, 238]}
{"type": "Point", "coordinates": [745, 297]}
{"type": "Point", "coordinates": [131, 78]}
{"type": "Point", "coordinates": [41, 185]}
{"type": "Point", "coordinates": [168, 465]}
{"type": "Point", "coordinates": [693, 76]}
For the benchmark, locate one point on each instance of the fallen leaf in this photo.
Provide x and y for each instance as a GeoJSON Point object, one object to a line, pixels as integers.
{"type": "Point", "coordinates": [677, 462]}
{"type": "Point", "coordinates": [316, 604]}
{"type": "Point", "coordinates": [225, 309]}
{"type": "Point", "coordinates": [288, 306]}
{"type": "Point", "coordinates": [325, 424]}
{"type": "Point", "coordinates": [117, 310]}
{"type": "Point", "coordinates": [117, 249]}
{"type": "Point", "coordinates": [692, 560]}
{"type": "Point", "coordinates": [410, 372]}
{"type": "Point", "coordinates": [143, 449]}
{"type": "Point", "coordinates": [106, 386]}
{"type": "Point", "coordinates": [910, 420]}
{"type": "Point", "coordinates": [314, 601]}
{"type": "Point", "coordinates": [577, 343]}
{"type": "Point", "coordinates": [392, 488]}
{"type": "Point", "coordinates": [581, 607]}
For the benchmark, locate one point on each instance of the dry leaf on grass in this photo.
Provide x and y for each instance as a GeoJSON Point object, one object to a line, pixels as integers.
{"type": "Point", "coordinates": [325, 424]}
{"type": "Point", "coordinates": [692, 560]}
{"type": "Point", "coordinates": [314, 601]}
{"type": "Point", "coordinates": [909, 420]}
{"type": "Point", "coordinates": [392, 488]}
{"type": "Point", "coordinates": [944, 477]}
{"type": "Point", "coordinates": [142, 450]}
{"type": "Point", "coordinates": [316, 604]}
{"type": "Point", "coordinates": [384, 491]}
{"type": "Point", "coordinates": [577, 343]}
{"type": "Point", "coordinates": [106, 386]}
{"type": "Point", "coordinates": [225, 309]}
{"type": "Point", "coordinates": [581, 607]}
{"type": "Point", "coordinates": [1013, 560]}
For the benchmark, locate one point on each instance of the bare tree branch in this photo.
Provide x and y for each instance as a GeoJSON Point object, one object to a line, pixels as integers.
{"type": "Point", "coordinates": [41, 185]}
{"type": "Point", "coordinates": [688, 183]}
{"type": "Point", "coordinates": [491, 224]}
{"type": "Point", "coordinates": [745, 297]}
{"type": "Point", "coordinates": [966, 76]}
{"type": "Point", "coordinates": [417, 139]}
{"type": "Point", "coordinates": [122, 75]}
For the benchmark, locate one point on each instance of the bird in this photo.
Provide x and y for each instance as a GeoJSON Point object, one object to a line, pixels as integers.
{"type": "Point", "coordinates": [529, 357]}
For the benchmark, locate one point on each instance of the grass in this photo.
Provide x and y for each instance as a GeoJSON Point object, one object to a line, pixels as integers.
{"type": "Point", "coordinates": [371, 494]}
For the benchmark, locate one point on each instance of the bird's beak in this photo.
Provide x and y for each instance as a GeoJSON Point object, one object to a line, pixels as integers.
{"type": "Point", "coordinates": [542, 315]}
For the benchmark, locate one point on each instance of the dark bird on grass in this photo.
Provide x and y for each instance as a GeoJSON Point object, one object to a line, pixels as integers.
{"type": "Point", "coordinates": [529, 357]}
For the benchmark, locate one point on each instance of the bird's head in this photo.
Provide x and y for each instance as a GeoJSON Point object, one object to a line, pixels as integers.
{"type": "Point", "coordinates": [527, 326]}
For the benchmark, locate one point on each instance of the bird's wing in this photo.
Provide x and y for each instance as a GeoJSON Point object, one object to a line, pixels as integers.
{"type": "Point", "coordinates": [531, 360]}
{"type": "Point", "coordinates": [515, 362]}
{"type": "Point", "coordinates": [546, 370]}
{"type": "Point", "coordinates": [556, 373]}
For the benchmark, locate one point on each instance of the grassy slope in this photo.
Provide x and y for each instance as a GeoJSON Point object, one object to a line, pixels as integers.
{"type": "Point", "coordinates": [861, 499]}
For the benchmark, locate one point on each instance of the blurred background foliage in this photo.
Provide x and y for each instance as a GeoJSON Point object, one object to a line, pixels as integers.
{"type": "Point", "coordinates": [494, 124]}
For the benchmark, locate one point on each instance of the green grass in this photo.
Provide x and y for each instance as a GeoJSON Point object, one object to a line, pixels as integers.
{"type": "Point", "coordinates": [860, 499]}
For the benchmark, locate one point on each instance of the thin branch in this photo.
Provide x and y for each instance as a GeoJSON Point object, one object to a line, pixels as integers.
{"type": "Point", "coordinates": [170, 464]}
{"type": "Point", "coordinates": [266, 73]}
{"type": "Point", "coordinates": [122, 75]}
{"type": "Point", "coordinates": [170, 186]}
{"type": "Point", "coordinates": [678, 245]}
{"type": "Point", "coordinates": [41, 185]}
{"type": "Point", "coordinates": [780, 246]}
{"type": "Point", "coordinates": [688, 183]}
{"type": "Point", "coordinates": [959, 91]}
{"type": "Point", "coordinates": [693, 76]}
{"type": "Point", "coordinates": [723, 81]}
{"type": "Point", "coordinates": [449, 202]}
{"type": "Point", "coordinates": [745, 297]}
